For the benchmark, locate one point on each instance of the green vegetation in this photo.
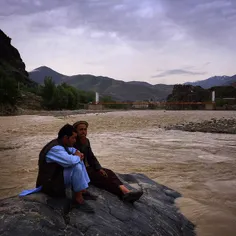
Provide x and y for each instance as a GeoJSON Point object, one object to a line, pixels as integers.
{"type": "Point", "coordinates": [63, 96]}
{"type": "Point", "coordinates": [54, 97]}
{"type": "Point", "coordinates": [8, 87]}
{"type": "Point", "coordinates": [8, 91]}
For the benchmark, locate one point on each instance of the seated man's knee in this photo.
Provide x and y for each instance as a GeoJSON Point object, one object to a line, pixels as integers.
{"type": "Point", "coordinates": [77, 168]}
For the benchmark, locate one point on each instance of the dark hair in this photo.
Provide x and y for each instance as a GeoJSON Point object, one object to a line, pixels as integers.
{"type": "Point", "coordinates": [66, 130]}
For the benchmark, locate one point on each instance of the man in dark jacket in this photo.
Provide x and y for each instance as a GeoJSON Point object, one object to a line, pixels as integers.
{"type": "Point", "coordinates": [101, 177]}
{"type": "Point", "coordinates": [61, 166]}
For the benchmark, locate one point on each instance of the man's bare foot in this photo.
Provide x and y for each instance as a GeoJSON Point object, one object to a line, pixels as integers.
{"type": "Point", "coordinates": [81, 204]}
{"type": "Point", "coordinates": [124, 189]}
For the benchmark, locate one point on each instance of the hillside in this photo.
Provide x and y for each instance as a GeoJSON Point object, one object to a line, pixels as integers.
{"type": "Point", "coordinates": [11, 64]}
{"type": "Point", "coordinates": [12, 76]}
{"type": "Point", "coordinates": [119, 90]}
{"type": "Point", "coordinates": [214, 81]}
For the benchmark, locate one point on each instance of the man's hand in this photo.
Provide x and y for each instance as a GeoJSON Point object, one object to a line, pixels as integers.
{"type": "Point", "coordinates": [103, 173]}
{"type": "Point", "coordinates": [79, 154]}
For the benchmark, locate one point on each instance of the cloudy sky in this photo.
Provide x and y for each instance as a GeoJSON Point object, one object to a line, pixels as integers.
{"type": "Point", "coordinates": [158, 41]}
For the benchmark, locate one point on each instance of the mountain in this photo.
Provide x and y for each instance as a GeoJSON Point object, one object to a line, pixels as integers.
{"type": "Point", "coordinates": [231, 81]}
{"type": "Point", "coordinates": [11, 64]}
{"type": "Point", "coordinates": [105, 86]}
{"type": "Point", "coordinates": [214, 81]}
{"type": "Point", "coordinates": [36, 75]}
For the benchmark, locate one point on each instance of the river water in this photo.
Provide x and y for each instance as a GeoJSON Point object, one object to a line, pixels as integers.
{"type": "Point", "coordinates": [201, 166]}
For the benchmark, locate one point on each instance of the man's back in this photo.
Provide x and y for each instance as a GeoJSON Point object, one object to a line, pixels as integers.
{"type": "Point", "coordinates": [50, 175]}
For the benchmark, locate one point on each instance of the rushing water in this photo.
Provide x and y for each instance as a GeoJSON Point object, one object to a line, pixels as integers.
{"type": "Point", "coordinates": [201, 166]}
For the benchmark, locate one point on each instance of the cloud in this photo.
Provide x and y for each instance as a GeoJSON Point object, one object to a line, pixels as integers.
{"type": "Point", "coordinates": [27, 7]}
{"type": "Point", "coordinates": [129, 38]}
{"type": "Point", "coordinates": [211, 21]}
{"type": "Point", "coordinates": [177, 72]}
{"type": "Point", "coordinates": [146, 21]}
{"type": "Point", "coordinates": [141, 21]}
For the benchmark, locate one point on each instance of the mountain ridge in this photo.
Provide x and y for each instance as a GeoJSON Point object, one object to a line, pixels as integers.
{"type": "Point", "coordinates": [122, 90]}
{"type": "Point", "coordinates": [106, 86]}
{"type": "Point", "coordinates": [214, 81]}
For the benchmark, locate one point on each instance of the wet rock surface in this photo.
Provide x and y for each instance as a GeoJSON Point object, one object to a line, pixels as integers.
{"type": "Point", "coordinates": [154, 214]}
{"type": "Point", "coordinates": [223, 125]}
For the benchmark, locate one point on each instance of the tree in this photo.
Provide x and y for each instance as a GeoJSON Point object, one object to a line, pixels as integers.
{"type": "Point", "coordinates": [60, 98]}
{"type": "Point", "coordinates": [48, 92]}
{"type": "Point", "coordinates": [73, 96]}
{"type": "Point", "coordinates": [86, 97]}
{"type": "Point", "coordinates": [63, 96]}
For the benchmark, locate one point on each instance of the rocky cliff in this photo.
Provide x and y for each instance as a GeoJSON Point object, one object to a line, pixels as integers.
{"type": "Point", "coordinates": [14, 78]}
{"type": "Point", "coordinates": [154, 214]}
{"type": "Point", "coordinates": [10, 60]}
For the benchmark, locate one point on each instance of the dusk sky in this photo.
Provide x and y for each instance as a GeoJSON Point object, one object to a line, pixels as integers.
{"type": "Point", "coordinates": [158, 41]}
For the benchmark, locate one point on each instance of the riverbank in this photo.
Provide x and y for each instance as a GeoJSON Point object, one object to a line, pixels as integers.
{"type": "Point", "coordinates": [60, 113]}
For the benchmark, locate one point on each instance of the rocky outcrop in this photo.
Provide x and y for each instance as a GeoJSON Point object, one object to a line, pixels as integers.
{"type": "Point", "coordinates": [10, 59]}
{"type": "Point", "coordinates": [13, 77]}
{"type": "Point", "coordinates": [227, 126]}
{"type": "Point", "coordinates": [154, 214]}
{"type": "Point", "coordinates": [186, 97]}
{"type": "Point", "coordinates": [188, 93]}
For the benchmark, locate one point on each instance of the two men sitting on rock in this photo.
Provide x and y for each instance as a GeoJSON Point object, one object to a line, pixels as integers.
{"type": "Point", "coordinates": [62, 166]}
{"type": "Point", "coordinates": [68, 161]}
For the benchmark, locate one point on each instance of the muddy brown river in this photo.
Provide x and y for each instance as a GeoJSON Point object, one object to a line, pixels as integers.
{"type": "Point", "coordinates": [201, 166]}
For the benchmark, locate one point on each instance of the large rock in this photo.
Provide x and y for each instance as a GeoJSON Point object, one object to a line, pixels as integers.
{"type": "Point", "coordinates": [154, 214]}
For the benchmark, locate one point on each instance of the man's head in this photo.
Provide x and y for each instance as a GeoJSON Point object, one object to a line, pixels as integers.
{"type": "Point", "coordinates": [81, 128]}
{"type": "Point", "coordinates": [67, 134]}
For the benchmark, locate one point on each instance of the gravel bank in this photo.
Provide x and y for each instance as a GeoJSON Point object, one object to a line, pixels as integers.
{"type": "Point", "coordinates": [214, 125]}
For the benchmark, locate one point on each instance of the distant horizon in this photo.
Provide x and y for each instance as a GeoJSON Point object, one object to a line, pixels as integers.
{"type": "Point", "coordinates": [126, 80]}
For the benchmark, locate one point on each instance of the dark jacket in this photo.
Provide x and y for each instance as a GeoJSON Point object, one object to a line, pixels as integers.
{"type": "Point", "coordinates": [89, 157]}
{"type": "Point", "coordinates": [50, 175]}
